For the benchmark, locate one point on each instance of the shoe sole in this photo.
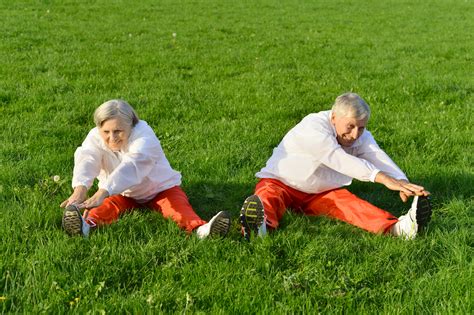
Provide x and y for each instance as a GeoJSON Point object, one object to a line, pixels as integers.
{"type": "Point", "coordinates": [251, 215]}
{"type": "Point", "coordinates": [72, 221]}
{"type": "Point", "coordinates": [423, 212]}
{"type": "Point", "coordinates": [221, 225]}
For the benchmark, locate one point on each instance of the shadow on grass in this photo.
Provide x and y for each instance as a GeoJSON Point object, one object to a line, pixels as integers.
{"type": "Point", "coordinates": [207, 197]}
{"type": "Point", "coordinates": [445, 185]}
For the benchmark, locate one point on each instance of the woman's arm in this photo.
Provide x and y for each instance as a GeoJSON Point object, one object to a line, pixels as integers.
{"type": "Point", "coordinates": [77, 197]}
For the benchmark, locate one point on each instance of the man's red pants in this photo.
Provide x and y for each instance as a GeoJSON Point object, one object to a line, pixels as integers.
{"type": "Point", "coordinates": [338, 203]}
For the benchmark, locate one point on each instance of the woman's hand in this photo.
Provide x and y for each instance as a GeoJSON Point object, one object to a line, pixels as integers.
{"type": "Point", "coordinates": [405, 188]}
{"type": "Point", "coordinates": [78, 196]}
{"type": "Point", "coordinates": [96, 200]}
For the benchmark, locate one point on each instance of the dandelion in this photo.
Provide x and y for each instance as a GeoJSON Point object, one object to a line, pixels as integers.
{"type": "Point", "coordinates": [173, 40]}
{"type": "Point", "coordinates": [56, 178]}
{"type": "Point", "coordinates": [74, 301]}
{"type": "Point", "coordinates": [2, 298]}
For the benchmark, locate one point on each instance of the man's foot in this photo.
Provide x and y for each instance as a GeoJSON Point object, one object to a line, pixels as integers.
{"type": "Point", "coordinates": [218, 226]}
{"type": "Point", "coordinates": [252, 217]}
{"type": "Point", "coordinates": [73, 222]}
{"type": "Point", "coordinates": [415, 220]}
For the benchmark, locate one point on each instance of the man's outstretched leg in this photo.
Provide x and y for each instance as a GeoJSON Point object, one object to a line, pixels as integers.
{"type": "Point", "coordinates": [345, 206]}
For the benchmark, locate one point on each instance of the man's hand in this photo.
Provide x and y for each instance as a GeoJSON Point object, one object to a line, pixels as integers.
{"type": "Point", "coordinates": [96, 200]}
{"type": "Point", "coordinates": [405, 197]}
{"type": "Point", "coordinates": [78, 196]}
{"type": "Point", "coordinates": [405, 188]}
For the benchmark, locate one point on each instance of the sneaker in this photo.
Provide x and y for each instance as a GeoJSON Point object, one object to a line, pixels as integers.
{"type": "Point", "coordinates": [73, 222]}
{"type": "Point", "coordinates": [415, 220]}
{"type": "Point", "coordinates": [252, 217]}
{"type": "Point", "coordinates": [218, 226]}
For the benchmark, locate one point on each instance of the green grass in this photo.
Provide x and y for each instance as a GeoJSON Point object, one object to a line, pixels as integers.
{"type": "Point", "coordinates": [220, 95]}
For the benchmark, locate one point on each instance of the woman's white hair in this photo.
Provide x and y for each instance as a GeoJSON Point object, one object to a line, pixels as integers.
{"type": "Point", "coordinates": [115, 109]}
{"type": "Point", "coordinates": [351, 105]}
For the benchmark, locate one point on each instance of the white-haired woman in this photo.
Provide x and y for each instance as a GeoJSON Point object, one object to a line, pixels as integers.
{"type": "Point", "coordinates": [126, 157]}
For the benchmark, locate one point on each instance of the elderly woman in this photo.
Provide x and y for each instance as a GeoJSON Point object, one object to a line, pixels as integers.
{"type": "Point", "coordinates": [125, 155]}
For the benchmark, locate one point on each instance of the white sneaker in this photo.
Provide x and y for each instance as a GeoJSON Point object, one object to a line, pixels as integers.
{"type": "Point", "coordinates": [414, 220]}
{"type": "Point", "coordinates": [73, 222]}
{"type": "Point", "coordinates": [218, 226]}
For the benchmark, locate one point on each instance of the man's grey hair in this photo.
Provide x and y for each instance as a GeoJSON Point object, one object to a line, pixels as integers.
{"type": "Point", "coordinates": [351, 105]}
{"type": "Point", "coordinates": [115, 109]}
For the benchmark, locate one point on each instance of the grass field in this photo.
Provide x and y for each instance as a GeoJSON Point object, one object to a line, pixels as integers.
{"type": "Point", "coordinates": [221, 82]}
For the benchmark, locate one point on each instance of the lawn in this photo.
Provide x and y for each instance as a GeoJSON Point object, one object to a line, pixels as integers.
{"type": "Point", "coordinates": [221, 82]}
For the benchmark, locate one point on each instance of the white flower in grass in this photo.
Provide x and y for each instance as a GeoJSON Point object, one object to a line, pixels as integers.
{"type": "Point", "coordinates": [56, 178]}
{"type": "Point", "coordinates": [174, 35]}
{"type": "Point", "coordinates": [150, 299]}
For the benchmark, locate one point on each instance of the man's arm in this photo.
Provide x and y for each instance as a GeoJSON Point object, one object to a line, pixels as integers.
{"type": "Point", "coordinates": [324, 148]}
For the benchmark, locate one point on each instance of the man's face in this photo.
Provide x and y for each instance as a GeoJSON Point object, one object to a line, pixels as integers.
{"type": "Point", "coordinates": [348, 129]}
{"type": "Point", "coordinates": [115, 133]}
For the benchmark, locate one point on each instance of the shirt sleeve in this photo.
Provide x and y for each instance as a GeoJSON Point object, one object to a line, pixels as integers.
{"type": "Point", "coordinates": [371, 152]}
{"type": "Point", "coordinates": [87, 162]}
{"type": "Point", "coordinates": [337, 159]}
{"type": "Point", "coordinates": [323, 147]}
{"type": "Point", "coordinates": [136, 164]}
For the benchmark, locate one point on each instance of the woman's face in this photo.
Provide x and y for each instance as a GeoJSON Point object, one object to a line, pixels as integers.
{"type": "Point", "coordinates": [115, 133]}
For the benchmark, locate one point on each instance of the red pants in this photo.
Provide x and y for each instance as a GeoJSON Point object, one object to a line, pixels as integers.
{"type": "Point", "coordinates": [172, 203]}
{"type": "Point", "coordinates": [338, 203]}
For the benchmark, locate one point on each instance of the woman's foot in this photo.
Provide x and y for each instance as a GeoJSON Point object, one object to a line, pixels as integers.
{"type": "Point", "coordinates": [218, 226]}
{"type": "Point", "coordinates": [73, 222]}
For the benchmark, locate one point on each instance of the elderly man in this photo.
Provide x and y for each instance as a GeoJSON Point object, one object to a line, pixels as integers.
{"type": "Point", "coordinates": [321, 154]}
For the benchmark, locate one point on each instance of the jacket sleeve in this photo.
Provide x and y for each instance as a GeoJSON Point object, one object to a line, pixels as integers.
{"type": "Point", "coordinates": [87, 161]}
{"type": "Point", "coordinates": [136, 164]}
{"type": "Point", "coordinates": [323, 147]}
{"type": "Point", "coordinates": [341, 161]}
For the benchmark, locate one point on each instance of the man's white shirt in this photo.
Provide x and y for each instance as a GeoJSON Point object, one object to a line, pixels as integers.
{"type": "Point", "coordinates": [139, 171]}
{"type": "Point", "coordinates": [310, 159]}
